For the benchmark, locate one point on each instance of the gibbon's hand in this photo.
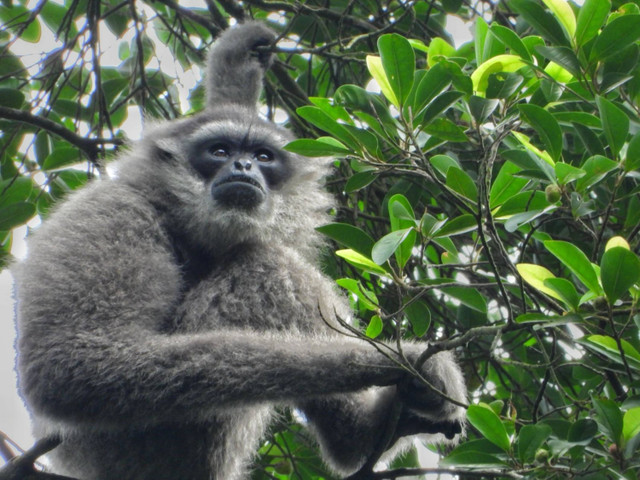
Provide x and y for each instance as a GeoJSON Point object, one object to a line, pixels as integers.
{"type": "Point", "coordinates": [426, 403]}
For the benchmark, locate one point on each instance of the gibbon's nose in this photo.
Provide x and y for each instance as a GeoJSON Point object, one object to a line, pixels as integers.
{"type": "Point", "coordinates": [242, 164]}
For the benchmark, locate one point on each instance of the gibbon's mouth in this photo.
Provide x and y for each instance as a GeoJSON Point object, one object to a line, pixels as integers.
{"type": "Point", "coordinates": [239, 191]}
{"type": "Point", "coordinates": [239, 180]}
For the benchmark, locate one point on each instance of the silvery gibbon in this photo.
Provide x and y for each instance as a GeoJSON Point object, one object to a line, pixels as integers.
{"type": "Point", "coordinates": [163, 313]}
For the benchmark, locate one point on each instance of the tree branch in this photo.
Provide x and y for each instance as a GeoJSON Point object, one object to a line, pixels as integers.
{"type": "Point", "coordinates": [89, 146]}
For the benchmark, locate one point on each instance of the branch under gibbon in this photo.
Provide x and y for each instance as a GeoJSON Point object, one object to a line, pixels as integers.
{"type": "Point", "coordinates": [21, 467]}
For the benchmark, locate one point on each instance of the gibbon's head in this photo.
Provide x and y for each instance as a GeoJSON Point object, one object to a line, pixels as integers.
{"type": "Point", "coordinates": [222, 176]}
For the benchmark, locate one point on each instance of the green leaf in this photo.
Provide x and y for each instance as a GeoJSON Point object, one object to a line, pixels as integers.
{"type": "Point", "coordinates": [520, 203]}
{"type": "Point", "coordinates": [609, 417]}
{"type": "Point", "coordinates": [562, 56]}
{"type": "Point", "coordinates": [419, 317]}
{"type": "Point", "coordinates": [442, 163]}
{"type": "Point", "coordinates": [400, 212]}
{"type": "Point", "coordinates": [486, 45]}
{"type": "Point", "coordinates": [398, 61]}
{"type": "Point", "coordinates": [359, 99]}
{"type": "Point", "coordinates": [360, 180]}
{"type": "Point", "coordinates": [567, 118]}
{"type": "Point", "coordinates": [481, 108]}
{"type": "Point", "coordinates": [375, 327]}
{"type": "Point", "coordinates": [631, 423]}
{"type": "Point", "coordinates": [632, 158]}
{"type": "Point", "coordinates": [568, 173]}
{"type": "Point", "coordinates": [71, 109]}
{"type": "Point", "coordinates": [619, 270]}
{"type": "Point", "coordinates": [541, 20]}
{"type": "Point", "coordinates": [459, 181]}
{"type": "Point", "coordinates": [118, 22]}
{"type": "Point", "coordinates": [596, 168]}
{"type": "Point", "coordinates": [12, 98]}
{"type": "Point", "coordinates": [322, 120]}
{"type": "Point", "coordinates": [582, 431]}
{"type": "Point", "coordinates": [591, 16]}
{"type": "Point", "coordinates": [366, 298]}
{"type": "Point", "coordinates": [616, 36]}
{"type": "Point", "coordinates": [401, 216]}
{"type": "Point", "coordinates": [468, 296]}
{"type": "Point", "coordinates": [472, 459]}
{"type": "Point", "coordinates": [546, 126]}
{"type": "Point", "coordinates": [589, 139]}
{"type": "Point", "coordinates": [62, 157]}
{"type": "Point", "coordinates": [608, 347]}
{"type": "Point", "coordinates": [530, 439]}
{"type": "Point", "coordinates": [321, 147]}
{"type": "Point", "coordinates": [511, 40]}
{"type": "Point", "coordinates": [14, 18]}
{"type": "Point", "coordinates": [439, 48]}
{"type": "Point", "coordinates": [540, 157]}
{"type": "Point", "coordinates": [433, 82]}
{"type": "Point", "coordinates": [444, 129]}
{"type": "Point", "coordinates": [439, 104]}
{"type": "Point", "coordinates": [387, 245]}
{"type": "Point", "coordinates": [489, 425]}
{"type": "Point", "coordinates": [615, 123]}
{"type": "Point", "coordinates": [451, 6]}
{"type": "Point", "coordinates": [519, 219]}
{"type": "Point", "coordinates": [462, 224]}
{"type": "Point", "coordinates": [15, 190]}
{"type": "Point", "coordinates": [15, 215]}
{"type": "Point", "coordinates": [360, 261]}
{"type": "Point", "coordinates": [112, 88]}
{"type": "Point", "coordinates": [429, 225]}
{"type": "Point", "coordinates": [11, 65]}
{"type": "Point", "coordinates": [349, 236]}
{"type": "Point", "coordinates": [506, 184]}
{"type": "Point", "coordinates": [503, 84]}
{"type": "Point", "coordinates": [565, 290]}
{"type": "Point", "coordinates": [576, 261]}
{"type": "Point", "coordinates": [54, 15]}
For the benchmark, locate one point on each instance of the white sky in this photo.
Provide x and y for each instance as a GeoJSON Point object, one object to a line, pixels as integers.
{"type": "Point", "coordinates": [14, 419]}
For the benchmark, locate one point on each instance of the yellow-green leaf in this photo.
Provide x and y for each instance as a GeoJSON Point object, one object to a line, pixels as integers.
{"type": "Point", "coordinates": [631, 423]}
{"type": "Point", "coordinates": [374, 64]}
{"type": "Point", "coordinates": [617, 242]}
{"type": "Point", "coordinates": [535, 275]}
{"type": "Point", "coordinates": [499, 63]}
{"type": "Point", "coordinates": [360, 261]}
{"type": "Point", "coordinates": [563, 12]}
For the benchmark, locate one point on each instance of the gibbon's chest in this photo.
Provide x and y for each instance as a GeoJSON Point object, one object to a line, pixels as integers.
{"type": "Point", "coordinates": [269, 290]}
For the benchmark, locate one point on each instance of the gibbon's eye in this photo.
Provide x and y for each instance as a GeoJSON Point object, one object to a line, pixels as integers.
{"type": "Point", "coordinates": [263, 155]}
{"type": "Point", "coordinates": [219, 150]}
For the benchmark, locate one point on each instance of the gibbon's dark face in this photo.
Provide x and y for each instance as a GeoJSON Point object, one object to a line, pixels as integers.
{"type": "Point", "coordinates": [241, 171]}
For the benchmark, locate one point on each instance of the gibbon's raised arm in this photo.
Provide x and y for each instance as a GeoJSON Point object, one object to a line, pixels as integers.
{"type": "Point", "coordinates": [236, 65]}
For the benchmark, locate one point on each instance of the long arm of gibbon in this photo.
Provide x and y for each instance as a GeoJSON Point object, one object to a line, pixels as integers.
{"type": "Point", "coordinates": [103, 378]}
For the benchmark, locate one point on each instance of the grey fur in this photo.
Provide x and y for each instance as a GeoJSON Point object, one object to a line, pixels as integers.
{"type": "Point", "coordinates": [157, 329]}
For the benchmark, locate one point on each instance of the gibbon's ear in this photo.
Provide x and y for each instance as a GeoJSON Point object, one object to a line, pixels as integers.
{"type": "Point", "coordinates": [237, 62]}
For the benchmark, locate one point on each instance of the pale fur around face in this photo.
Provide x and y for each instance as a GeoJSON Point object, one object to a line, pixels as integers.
{"type": "Point", "coordinates": [157, 329]}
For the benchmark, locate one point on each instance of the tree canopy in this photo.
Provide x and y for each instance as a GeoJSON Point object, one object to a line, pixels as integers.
{"type": "Point", "coordinates": [488, 194]}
